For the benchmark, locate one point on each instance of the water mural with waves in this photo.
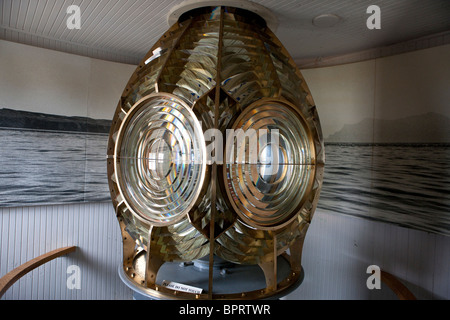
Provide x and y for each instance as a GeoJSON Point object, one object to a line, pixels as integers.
{"type": "Point", "coordinates": [402, 177]}
{"type": "Point", "coordinates": [51, 159]}
{"type": "Point", "coordinates": [389, 169]}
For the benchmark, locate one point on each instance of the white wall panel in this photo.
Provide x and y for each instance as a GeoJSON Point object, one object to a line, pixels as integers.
{"type": "Point", "coordinates": [338, 249]}
{"type": "Point", "coordinates": [31, 231]}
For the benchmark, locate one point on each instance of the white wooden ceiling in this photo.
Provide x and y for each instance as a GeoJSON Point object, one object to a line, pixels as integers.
{"type": "Point", "coordinates": [124, 30]}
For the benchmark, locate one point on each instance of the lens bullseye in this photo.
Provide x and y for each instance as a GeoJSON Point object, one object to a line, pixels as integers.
{"type": "Point", "coordinates": [270, 191]}
{"type": "Point", "coordinates": [160, 159]}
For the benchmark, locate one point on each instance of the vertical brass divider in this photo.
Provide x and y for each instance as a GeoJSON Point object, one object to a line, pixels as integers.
{"type": "Point", "coordinates": [269, 267]}
{"type": "Point", "coordinates": [128, 248]}
{"type": "Point", "coordinates": [153, 263]}
{"type": "Point", "coordinates": [211, 230]}
{"type": "Point", "coordinates": [295, 250]}
{"type": "Point", "coordinates": [214, 165]}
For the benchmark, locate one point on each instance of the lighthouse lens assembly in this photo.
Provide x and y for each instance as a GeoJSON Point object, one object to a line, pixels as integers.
{"type": "Point", "coordinates": [215, 158]}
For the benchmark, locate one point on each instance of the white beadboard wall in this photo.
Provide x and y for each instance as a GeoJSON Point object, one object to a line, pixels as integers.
{"type": "Point", "coordinates": [31, 231]}
{"type": "Point", "coordinates": [338, 249]}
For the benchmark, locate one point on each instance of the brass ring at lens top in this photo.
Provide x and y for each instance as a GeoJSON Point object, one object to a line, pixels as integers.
{"type": "Point", "coordinates": [268, 194]}
{"type": "Point", "coordinates": [160, 159]}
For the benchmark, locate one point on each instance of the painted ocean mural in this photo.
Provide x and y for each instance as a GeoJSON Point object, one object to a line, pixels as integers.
{"type": "Point", "coordinates": [49, 159]}
{"type": "Point", "coordinates": [404, 184]}
{"type": "Point", "coordinates": [401, 177]}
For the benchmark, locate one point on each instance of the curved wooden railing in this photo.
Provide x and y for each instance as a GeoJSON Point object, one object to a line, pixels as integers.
{"type": "Point", "coordinates": [11, 277]}
{"type": "Point", "coordinates": [395, 285]}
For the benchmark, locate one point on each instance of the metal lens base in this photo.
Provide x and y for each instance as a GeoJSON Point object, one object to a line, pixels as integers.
{"type": "Point", "coordinates": [231, 281]}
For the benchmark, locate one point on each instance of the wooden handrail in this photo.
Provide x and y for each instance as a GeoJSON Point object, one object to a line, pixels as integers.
{"type": "Point", "coordinates": [395, 285]}
{"type": "Point", "coordinates": [11, 277]}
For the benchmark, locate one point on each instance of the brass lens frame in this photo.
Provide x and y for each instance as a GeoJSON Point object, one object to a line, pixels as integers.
{"type": "Point", "coordinates": [220, 67]}
{"type": "Point", "coordinates": [169, 103]}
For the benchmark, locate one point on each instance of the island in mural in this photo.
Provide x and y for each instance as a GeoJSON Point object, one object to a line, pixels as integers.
{"type": "Point", "coordinates": [18, 119]}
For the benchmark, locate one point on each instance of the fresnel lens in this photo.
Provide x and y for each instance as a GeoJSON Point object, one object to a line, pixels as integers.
{"type": "Point", "coordinates": [215, 162]}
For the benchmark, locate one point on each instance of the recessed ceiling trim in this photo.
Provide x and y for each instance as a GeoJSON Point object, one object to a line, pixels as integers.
{"type": "Point", "coordinates": [439, 39]}
{"type": "Point", "coordinates": [121, 30]}
{"type": "Point", "coordinates": [185, 6]}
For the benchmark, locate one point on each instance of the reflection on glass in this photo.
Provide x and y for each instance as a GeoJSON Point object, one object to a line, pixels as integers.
{"type": "Point", "coordinates": [160, 159]}
{"type": "Point", "coordinates": [269, 192]}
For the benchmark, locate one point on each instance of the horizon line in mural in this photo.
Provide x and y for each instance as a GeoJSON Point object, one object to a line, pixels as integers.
{"type": "Point", "coordinates": [426, 128]}
{"type": "Point", "coordinates": [42, 165]}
